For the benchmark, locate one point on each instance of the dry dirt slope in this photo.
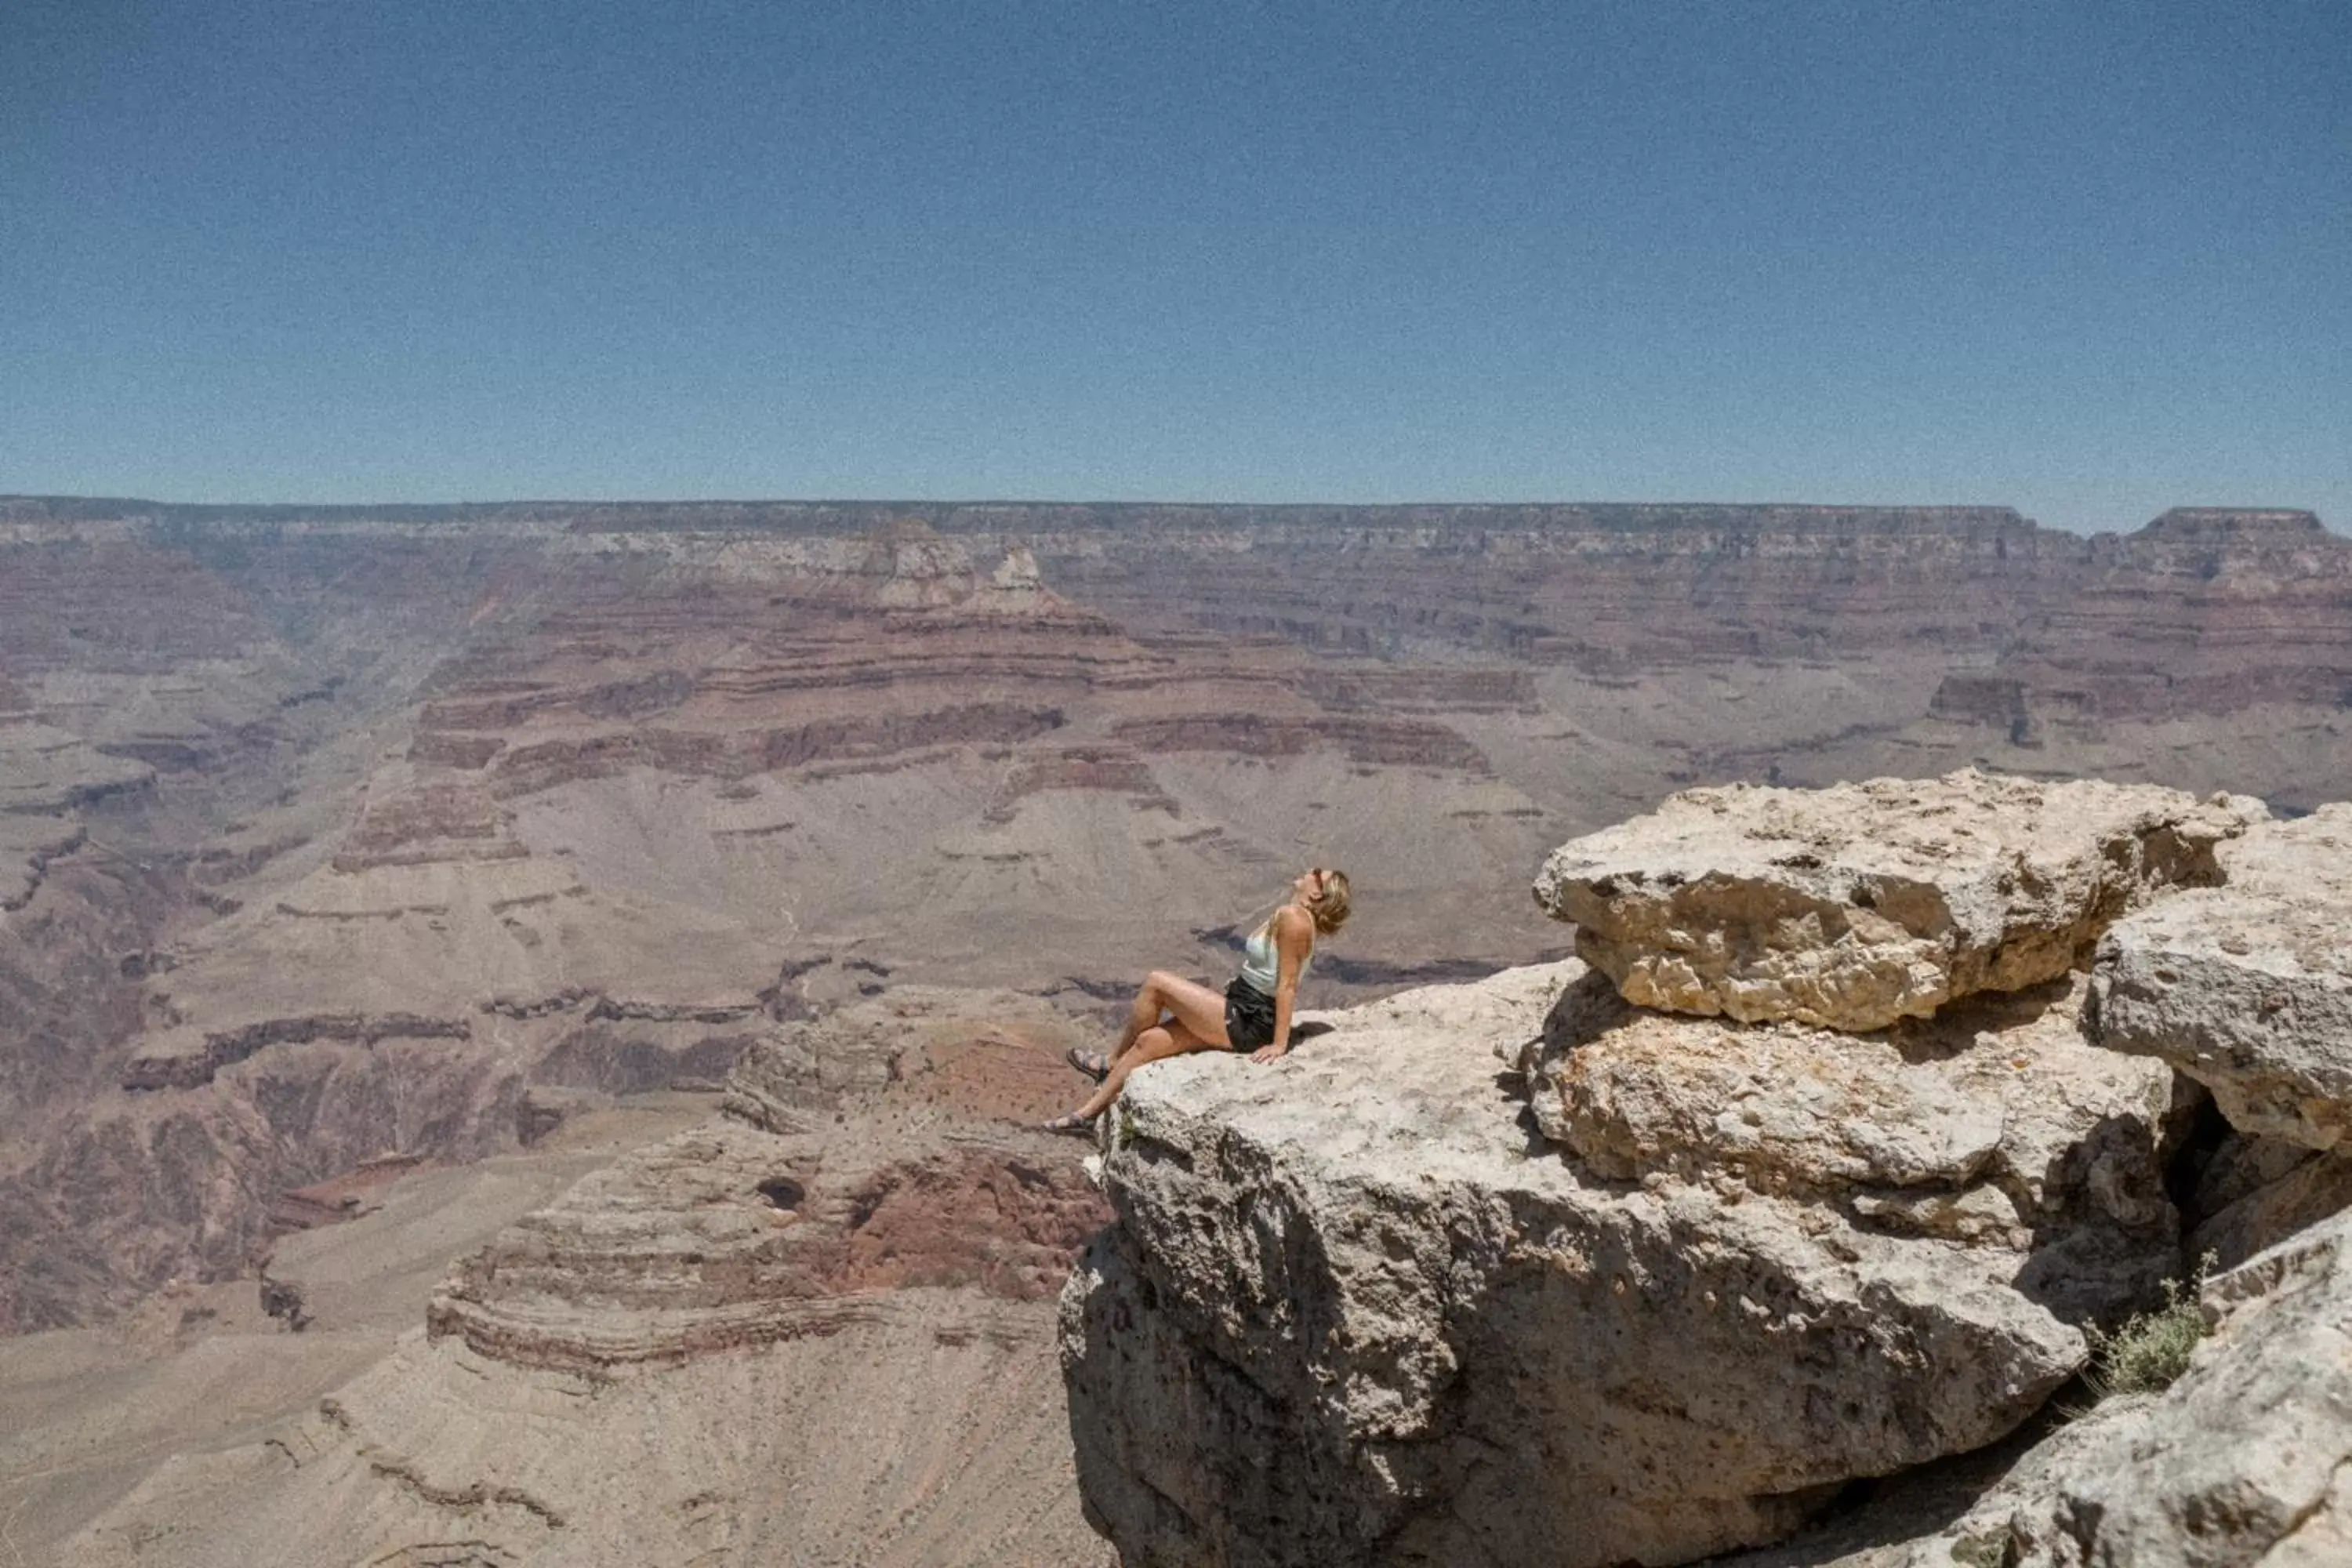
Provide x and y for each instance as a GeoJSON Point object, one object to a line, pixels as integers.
{"type": "Point", "coordinates": [935, 1435]}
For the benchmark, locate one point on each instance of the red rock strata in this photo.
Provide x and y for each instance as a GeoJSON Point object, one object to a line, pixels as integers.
{"type": "Point", "coordinates": [1396, 742]}
{"type": "Point", "coordinates": [880, 1149]}
{"type": "Point", "coordinates": [339, 1197]}
{"type": "Point", "coordinates": [727, 1236]}
{"type": "Point", "coordinates": [2203, 611]}
{"type": "Point", "coordinates": [1110, 770]}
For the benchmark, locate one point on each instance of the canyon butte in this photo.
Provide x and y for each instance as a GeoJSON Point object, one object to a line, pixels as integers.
{"type": "Point", "coordinates": [519, 1027]}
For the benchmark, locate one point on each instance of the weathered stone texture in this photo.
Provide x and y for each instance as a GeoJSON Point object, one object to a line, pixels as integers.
{"type": "Point", "coordinates": [1357, 1310]}
{"type": "Point", "coordinates": [1852, 907]}
{"type": "Point", "coordinates": [2246, 1460]}
{"type": "Point", "coordinates": [2247, 988]}
{"type": "Point", "coordinates": [2314, 1188]}
{"type": "Point", "coordinates": [1996, 1123]}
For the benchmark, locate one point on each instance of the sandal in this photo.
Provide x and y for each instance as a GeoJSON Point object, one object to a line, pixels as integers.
{"type": "Point", "coordinates": [1094, 1064]}
{"type": "Point", "coordinates": [1071, 1125]}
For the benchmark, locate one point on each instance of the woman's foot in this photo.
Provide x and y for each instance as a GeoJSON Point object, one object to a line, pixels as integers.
{"type": "Point", "coordinates": [1072, 1125]}
{"type": "Point", "coordinates": [1094, 1064]}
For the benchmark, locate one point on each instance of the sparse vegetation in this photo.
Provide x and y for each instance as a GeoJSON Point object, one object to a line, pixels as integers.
{"type": "Point", "coordinates": [2151, 1349]}
{"type": "Point", "coordinates": [1989, 1550]}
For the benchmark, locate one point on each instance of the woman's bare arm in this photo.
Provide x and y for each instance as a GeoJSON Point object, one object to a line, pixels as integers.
{"type": "Point", "coordinates": [1294, 939]}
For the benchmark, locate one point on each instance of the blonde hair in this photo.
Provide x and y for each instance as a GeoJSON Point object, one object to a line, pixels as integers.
{"type": "Point", "coordinates": [1329, 908]}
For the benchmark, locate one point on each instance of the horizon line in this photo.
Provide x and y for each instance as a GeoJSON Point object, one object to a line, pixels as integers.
{"type": "Point", "coordinates": [10, 498]}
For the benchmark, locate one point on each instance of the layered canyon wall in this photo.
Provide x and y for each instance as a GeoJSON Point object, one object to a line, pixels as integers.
{"type": "Point", "coordinates": [331, 834]}
{"type": "Point", "coordinates": [813, 1325]}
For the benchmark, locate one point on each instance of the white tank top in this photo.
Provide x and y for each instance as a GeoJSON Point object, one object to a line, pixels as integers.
{"type": "Point", "coordinates": [1262, 963]}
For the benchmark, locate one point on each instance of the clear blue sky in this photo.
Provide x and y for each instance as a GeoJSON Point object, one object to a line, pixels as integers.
{"type": "Point", "coordinates": [2087, 258]}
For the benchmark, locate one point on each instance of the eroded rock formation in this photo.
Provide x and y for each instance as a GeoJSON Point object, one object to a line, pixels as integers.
{"type": "Point", "coordinates": [1664, 1285]}
{"type": "Point", "coordinates": [2243, 1461]}
{"type": "Point", "coordinates": [1997, 1123]}
{"type": "Point", "coordinates": [2247, 988]}
{"type": "Point", "coordinates": [1356, 1311]}
{"type": "Point", "coordinates": [828, 1343]}
{"type": "Point", "coordinates": [1852, 907]}
{"type": "Point", "coordinates": [727, 1236]}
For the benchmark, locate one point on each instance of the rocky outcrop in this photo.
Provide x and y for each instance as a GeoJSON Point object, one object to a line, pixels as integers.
{"type": "Point", "coordinates": [447, 820]}
{"type": "Point", "coordinates": [728, 1237]}
{"type": "Point", "coordinates": [1997, 1123]}
{"type": "Point", "coordinates": [2273, 1203]}
{"type": "Point", "coordinates": [2245, 1460]}
{"type": "Point", "coordinates": [2242, 1460]}
{"type": "Point", "coordinates": [186, 1058]}
{"type": "Point", "coordinates": [1111, 770]}
{"type": "Point", "coordinates": [1991, 700]}
{"type": "Point", "coordinates": [1852, 907]}
{"type": "Point", "coordinates": [992, 1053]}
{"type": "Point", "coordinates": [883, 1147]}
{"type": "Point", "coordinates": [1357, 1309]}
{"type": "Point", "coordinates": [1672, 1281]}
{"type": "Point", "coordinates": [2247, 988]}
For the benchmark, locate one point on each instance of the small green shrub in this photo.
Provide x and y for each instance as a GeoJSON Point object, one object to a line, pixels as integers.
{"type": "Point", "coordinates": [2152, 1348]}
{"type": "Point", "coordinates": [1990, 1550]}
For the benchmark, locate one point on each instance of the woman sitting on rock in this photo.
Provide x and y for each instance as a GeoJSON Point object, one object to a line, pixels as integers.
{"type": "Point", "coordinates": [1173, 1015]}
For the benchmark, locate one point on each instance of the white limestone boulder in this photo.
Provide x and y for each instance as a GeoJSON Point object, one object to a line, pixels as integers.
{"type": "Point", "coordinates": [2247, 1460]}
{"type": "Point", "coordinates": [1357, 1309]}
{"type": "Point", "coordinates": [1853, 906]}
{"type": "Point", "coordinates": [2247, 988]}
{"type": "Point", "coordinates": [1997, 1123]}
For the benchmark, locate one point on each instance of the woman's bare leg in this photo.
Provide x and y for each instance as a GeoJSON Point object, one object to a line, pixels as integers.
{"type": "Point", "coordinates": [1161, 1040]}
{"type": "Point", "coordinates": [1197, 1007]}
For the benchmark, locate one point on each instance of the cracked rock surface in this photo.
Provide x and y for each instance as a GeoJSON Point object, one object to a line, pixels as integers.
{"type": "Point", "coordinates": [1994, 1124]}
{"type": "Point", "coordinates": [1357, 1309]}
{"type": "Point", "coordinates": [1853, 906]}
{"type": "Point", "coordinates": [2247, 1460]}
{"type": "Point", "coordinates": [2247, 988]}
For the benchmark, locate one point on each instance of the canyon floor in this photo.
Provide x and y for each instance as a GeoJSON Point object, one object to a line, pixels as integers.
{"type": "Point", "coordinates": [200, 1369]}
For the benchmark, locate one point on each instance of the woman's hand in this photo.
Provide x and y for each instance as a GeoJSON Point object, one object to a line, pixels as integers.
{"type": "Point", "coordinates": [1270, 1053]}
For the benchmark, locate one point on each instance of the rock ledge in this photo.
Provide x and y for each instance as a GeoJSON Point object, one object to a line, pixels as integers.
{"type": "Point", "coordinates": [1851, 907]}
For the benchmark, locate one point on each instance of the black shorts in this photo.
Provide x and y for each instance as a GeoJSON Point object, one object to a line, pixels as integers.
{"type": "Point", "coordinates": [1249, 1016]}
